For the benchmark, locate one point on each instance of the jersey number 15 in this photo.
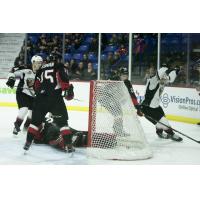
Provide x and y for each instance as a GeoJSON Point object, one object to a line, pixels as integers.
{"type": "Point", "coordinates": [47, 74]}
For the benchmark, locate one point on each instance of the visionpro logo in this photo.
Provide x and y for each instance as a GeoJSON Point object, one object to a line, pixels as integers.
{"type": "Point", "coordinates": [165, 100]}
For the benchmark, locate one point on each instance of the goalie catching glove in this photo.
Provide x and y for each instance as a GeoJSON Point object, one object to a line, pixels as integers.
{"type": "Point", "coordinates": [11, 82]}
{"type": "Point", "coordinates": [69, 94]}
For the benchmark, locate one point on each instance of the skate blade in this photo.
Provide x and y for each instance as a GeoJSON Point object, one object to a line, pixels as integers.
{"type": "Point", "coordinates": [25, 152]}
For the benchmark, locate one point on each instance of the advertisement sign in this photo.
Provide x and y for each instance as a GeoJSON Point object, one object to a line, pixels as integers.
{"type": "Point", "coordinates": [179, 104]}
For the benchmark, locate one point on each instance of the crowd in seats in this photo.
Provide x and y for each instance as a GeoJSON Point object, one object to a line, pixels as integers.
{"type": "Point", "coordinates": [81, 53]}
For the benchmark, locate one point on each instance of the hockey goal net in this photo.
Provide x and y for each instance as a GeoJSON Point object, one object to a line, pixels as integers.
{"type": "Point", "coordinates": [114, 131]}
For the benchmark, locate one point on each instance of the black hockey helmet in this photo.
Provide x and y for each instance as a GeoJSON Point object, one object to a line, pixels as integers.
{"type": "Point", "coordinates": [54, 57]}
{"type": "Point", "coordinates": [164, 65]}
{"type": "Point", "coordinates": [123, 71]}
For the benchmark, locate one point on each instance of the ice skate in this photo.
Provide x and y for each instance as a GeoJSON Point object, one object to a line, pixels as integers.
{"type": "Point", "coordinates": [16, 129]}
{"type": "Point", "coordinates": [176, 138]}
{"type": "Point", "coordinates": [27, 146]}
{"type": "Point", "coordinates": [69, 148]}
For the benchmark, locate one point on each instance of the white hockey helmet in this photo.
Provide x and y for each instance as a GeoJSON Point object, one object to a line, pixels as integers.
{"type": "Point", "coordinates": [162, 72]}
{"type": "Point", "coordinates": [36, 62]}
{"type": "Point", "coordinates": [163, 76]}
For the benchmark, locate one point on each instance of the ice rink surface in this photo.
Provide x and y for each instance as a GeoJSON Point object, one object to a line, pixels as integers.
{"type": "Point", "coordinates": [164, 151]}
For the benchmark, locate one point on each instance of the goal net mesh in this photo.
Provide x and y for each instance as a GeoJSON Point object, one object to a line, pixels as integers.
{"type": "Point", "coordinates": [114, 129]}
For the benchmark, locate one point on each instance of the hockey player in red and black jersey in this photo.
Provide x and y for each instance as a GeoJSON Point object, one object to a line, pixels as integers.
{"type": "Point", "coordinates": [50, 134]}
{"type": "Point", "coordinates": [24, 93]}
{"type": "Point", "coordinates": [151, 103]}
{"type": "Point", "coordinates": [51, 80]}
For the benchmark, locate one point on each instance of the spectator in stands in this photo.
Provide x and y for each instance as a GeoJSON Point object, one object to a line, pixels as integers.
{"type": "Point", "coordinates": [181, 79]}
{"type": "Point", "coordinates": [73, 66]}
{"type": "Point", "coordinates": [42, 44]}
{"type": "Point", "coordinates": [77, 39]}
{"type": "Point", "coordinates": [139, 47]}
{"type": "Point", "coordinates": [107, 65]}
{"type": "Point", "coordinates": [67, 66]}
{"type": "Point", "coordinates": [79, 73]}
{"type": "Point", "coordinates": [122, 50]}
{"type": "Point", "coordinates": [113, 40]}
{"type": "Point", "coordinates": [116, 60]}
{"type": "Point", "coordinates": [125, 39]}
{"type": "Point", "coordinates": [56, 51]}
{"type": "Point", "coordinates": [85, 60]}
{"type": "Point", "coordinates": [194, 76]}
{"type": "Point", "coordinates": [89, 73]}
{"type": "Point", "coordinates": [94, 45]}
{"type": "Point", "coordinates": [19, 58]}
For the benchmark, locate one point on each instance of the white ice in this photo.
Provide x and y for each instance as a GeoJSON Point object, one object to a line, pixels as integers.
{"type": "Point", "coordinates": [165, 151]}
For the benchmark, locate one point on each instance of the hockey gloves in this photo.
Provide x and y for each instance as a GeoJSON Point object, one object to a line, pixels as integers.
{"type": "Point", "coordinates": [69, 94]}
{"type": "Point", "coordinates": [11, 82]}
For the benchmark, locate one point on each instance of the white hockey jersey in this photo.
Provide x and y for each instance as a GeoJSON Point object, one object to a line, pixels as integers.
{"type": "Point", "coordinates": [26, 79]}
{"type": "Point", "coordinates": [155, 86]}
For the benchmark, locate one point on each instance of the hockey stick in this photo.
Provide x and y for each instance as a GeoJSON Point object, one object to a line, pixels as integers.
{"type": "Point", "coordinates": [78, 100]}
{"type": "Point", "coordinates": [147, 116]}
{"type": "Point", "coordinates": [24, 87]}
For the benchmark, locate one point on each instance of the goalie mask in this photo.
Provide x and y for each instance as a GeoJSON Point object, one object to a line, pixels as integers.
{"type": "Point", "coordinates": [36, 62]}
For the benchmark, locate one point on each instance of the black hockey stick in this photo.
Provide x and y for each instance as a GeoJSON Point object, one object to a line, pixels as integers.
{"type": "Point", "coordinates": [147, 116]}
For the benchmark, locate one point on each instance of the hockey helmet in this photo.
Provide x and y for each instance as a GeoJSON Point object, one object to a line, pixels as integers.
{"type": "Point", "coordinates": [54, 57]}
{"type": "Point", "coordinates": [163, 75]}
{"type": "Point", "coordinates": [36, 62]}
{"type": "Point", "coordinates": [123, 74]}
{"type": "Point", "coordinates": [124, 71]}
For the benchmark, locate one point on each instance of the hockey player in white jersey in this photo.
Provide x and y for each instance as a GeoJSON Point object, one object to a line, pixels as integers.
{"type": "Point", "coordinates": [151, 103]}
{"type": "Point", "coordinates": [24, 93]}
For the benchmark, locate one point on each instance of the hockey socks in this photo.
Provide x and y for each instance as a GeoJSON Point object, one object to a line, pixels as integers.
{"type": "Point", "coordinates": [27, 123]}
{"type": "Point", "coordinates": [33, 132]}
{"type": "Point", "coordinates": [67, 136]}
{"type": "Point", "coordinates": [17, 125]}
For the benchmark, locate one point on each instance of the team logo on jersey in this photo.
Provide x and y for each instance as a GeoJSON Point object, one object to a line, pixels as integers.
{"type": "Point", "coordinates": [165, 100]}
